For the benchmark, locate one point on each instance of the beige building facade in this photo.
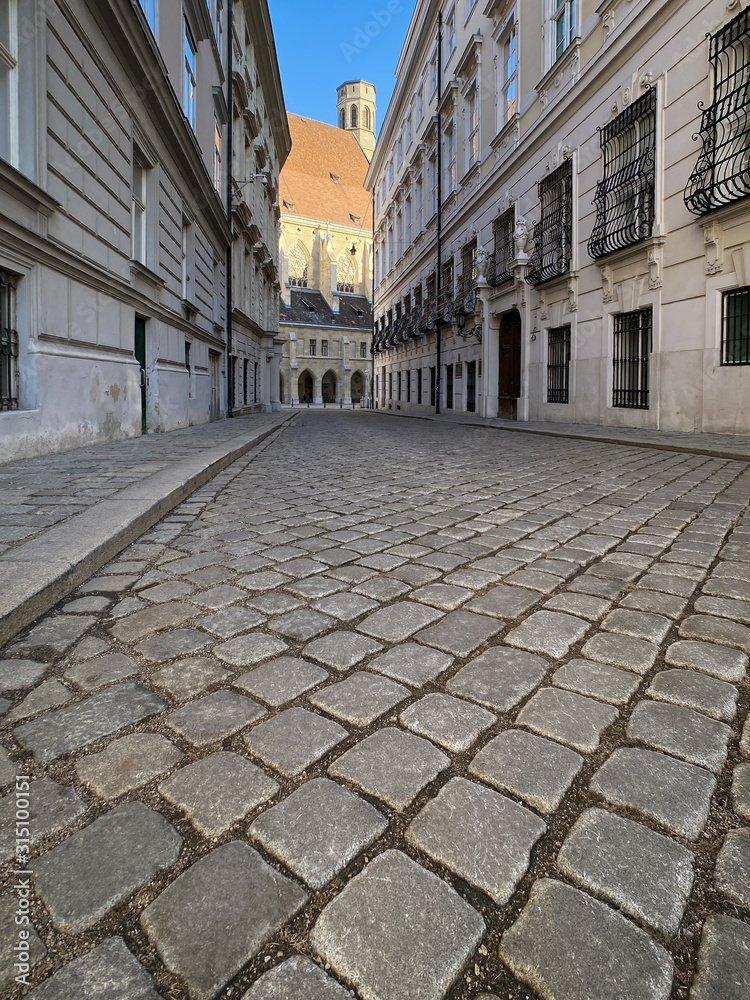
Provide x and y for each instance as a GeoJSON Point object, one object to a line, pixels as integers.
{"type": "Point", "coordinates": [561, 233]}
{"type": "Point", "coordinates": [326, 256]}
{"type": "Point", "coordinates": [114, 232]}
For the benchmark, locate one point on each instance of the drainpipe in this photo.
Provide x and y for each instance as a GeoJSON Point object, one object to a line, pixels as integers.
{"type": "Point", "coordinates": [230, 129]}
{"type": "Point", "coordinates": [438, 334]}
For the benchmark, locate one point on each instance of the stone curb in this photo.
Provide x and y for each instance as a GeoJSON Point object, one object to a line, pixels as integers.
{"type": "Point", "coordinates": [44, 570]}
{"type": "Point", "coordinates": [632, 441]}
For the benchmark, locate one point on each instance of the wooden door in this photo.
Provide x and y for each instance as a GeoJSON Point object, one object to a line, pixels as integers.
{"type": "Point", "coordinates": [509, 365]}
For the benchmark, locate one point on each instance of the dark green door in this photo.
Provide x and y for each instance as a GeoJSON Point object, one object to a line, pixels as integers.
{"type": "Point", "coordinates": [140, 357]}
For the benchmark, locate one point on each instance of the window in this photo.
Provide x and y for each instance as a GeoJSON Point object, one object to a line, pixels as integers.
{"type": "Point", "coordinates": [432, 180]}
{"type": "Point", "coordinates": [409, 222]}
{"type": "Point", "coordinates": [256, 382]}
{"type": "Point", "coordinates": [390, 385]}
{"type": "Point", "coordinates": [298, 264]}
{"type": "Point", "coordinates": [509, 90]}
{"type": "Point", "coordinates": [9, 96]}
{"type": "Point", "coordinates": [185, 259]}
{"type": "Point", "coordinates": [472, 127]}
{"type": "Point", "coordinates": [450, 35]}
{"type": "Point", "coordinates": [149, 9]}
{"type": "Point", "coordinates": [735, 327]}
{"type": "Point", "coordinates": [324, 348]}
{"type": "Point", "coordinates": [722, 173]}
{"type": "Point", "coordinates": [313, 348]}
{"type": "Point", "coordinates": [219, 25]}
{"type": "Point", "coordinates": [632, 346]}
{"type": "Point", "coordinates": [8, 343]}
{"type": "Point", "coordinates": [391, 173]}
{"type": "Point", "coordinates": [342, 118]}
{"type": "Point", "coordinates": [408, 385]}
{"type": "Point", "coordinates": [245, 382]}
{"type": "Point", "coordinates": [450, 158]}
{"type": "Point", "coordinates": [419, 205]}
{"type": "Point", "coordinates": [625, 196]}
{"type": "Point", "coordinates": [468, 279]}
{"type": "Point", "coordinates": [449, 387]}
{"type": "Point", "coordinates": [553, 234]}
{"type": "Point", "coordinates": [563, 26]}
{"type": "Point", "coordinates": [420, 105]}
{"type": "Point", "coordinates": [217, 156]}
{"type": "Point", "coordinates": [367, 119]}
{"type": "Point", "coordinates": [504, 250]}
{"type": "Point", "coordinates": [188, 96]}
{"type": "Point", "coordinates": [419, 386]}
{"type": "Point", "coordinates": [408, 133]}
{"type": "Point", "coordinates": [363, 349]}
{"type": "Point", "coordinates": [399, 235]}
{"type": "Point", "coordinates": [187, 357]}
{"type": "Point", "coordinates": [399, 152]}
{"type": "Point", "coordinates": [139, 209]}
{"type": "Point", "coordinates": [433, 386]}
{"type": "Point", "coordinates": [398, 386]}
{"type": "Point", "coordinates": [433, 72]}
{"type": "Point", "coordinates": [345, 276]}
{"type": "Point", "coordinates": [390, 247]}
{"type": "Point", "coordinates": [558, 364]}
{"type": "Point", "coordinates": [382, 387]}
{"type": "Point", "coordinates": [353, 116]}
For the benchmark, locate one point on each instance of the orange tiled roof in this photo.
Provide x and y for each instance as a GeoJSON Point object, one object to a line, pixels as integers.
{"type": "Point", "coordinates": [323, 178]}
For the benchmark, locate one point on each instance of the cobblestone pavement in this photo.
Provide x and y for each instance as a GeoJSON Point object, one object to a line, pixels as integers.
{"type": "Point", "coordinates": [400, 711]}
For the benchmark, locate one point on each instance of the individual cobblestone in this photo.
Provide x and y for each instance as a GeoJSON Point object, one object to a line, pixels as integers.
{"type": "Point", "coordinates": [567, 717]}
{"type": "Point", "coordinates": [460, 633]}
{"type": "Point", "coordinates": [393, 904]}
{"type": "Point", "coordinates": [566, 944]}
{"type": "Point", "coordinates": [479, 835]}
{"type": "Point", "coordinates": [622, 651]}
{"type": "Point", "coordinates": [282, 680]}
{"type": "Point", "coordinates": [108, 972]}
{"type": "Point", "coordinates": [537, 770]}
{"type": "Point", "coordinates": [98, 867]}
{"type": "Point", "coordinates": [51, 808]}
{"type": "Point", "coordinates": [127, 763]}
{"type": "Point", "coordinates": [293, 740]}
{"type": "Point", "coordinates": [732, 875]}
{"type": "Point", "coordinates": [341, 651]}
{"type": "Point", "coordinates": [726, 664]}
{"type": "Point", "coordinates": [193, 924]}
{"type": "Point", "coordinates": [549, 633]}
{"type": "Point", "coordinates": [318, 830]}
{"type": "Point", "coordinates": [723, 971]}
{"type": "Point", "coordinates": [17, 674]}
{"type": "Point", "coordinates": [451, 722]}
{"type": "Point", "coordinates": [102, 670]}
{"type": "Point", "coordinates": [398, 621]}
{"type": "Point", "coordinates": [168, 645]}
{"type": "Point", "coordinates": [694, 690]}
{"type": "Point", "coordinates": [391, 765]}
{"type": "Point", "coordinates": [681, 732]}
{"type": "Point", "coordinates": [297, 977]}
{"type": "Point", "coordinates": [644, 873]}
{"type": "Point", "coordinates": [597, 680]}
{"type": "Point", "coordinates": [411, 663]}
{"type": "Point", "coordinates": [361, 698]}
{"type": "Point", "coordinates": [49, 694]}
{"type": "Point", "coordinates": [741, 790]}
{"type": "Point", "coordinates": [500, 678]}
{"type": "Point", "coordinates": [214, 717]}
{"type": "Point", "coordinates": [672, 793]}
{"type": "Point", "coordinates": [186, 678]}
{"type": "Point", "coordinates": [718, 630]}
{"type": "Point", "coordinates": [582, 605]}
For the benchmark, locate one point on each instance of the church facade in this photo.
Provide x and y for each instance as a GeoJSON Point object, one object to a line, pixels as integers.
{"type": "Point", "coordinates": [326, 255]}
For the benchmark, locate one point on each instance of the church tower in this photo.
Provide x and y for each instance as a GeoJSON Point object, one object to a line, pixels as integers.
{"type": "Point", "coordinates": [356, 112]}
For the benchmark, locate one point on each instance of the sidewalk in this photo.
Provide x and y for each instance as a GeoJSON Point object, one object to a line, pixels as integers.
{"type": "Point", "coordinates": [63, 516]}
{"type": "Point", "coordinates": [730, 446]}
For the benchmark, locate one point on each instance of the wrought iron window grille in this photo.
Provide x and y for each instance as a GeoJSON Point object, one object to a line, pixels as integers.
{"type": "Point", "coordinates": [8, 343]}
{"type": "Point", "coordinates": [722, 172]}
{"type": "Point", "coordinates": [633, 342]}
{"type": "Point", "coordinates": [624, 200]}
{"type": "Point", "coordinates": [735, 327]}
{"type": "Point", "coordinates": [558, 364]}
{"type": "Point", "coordinates": [504, 249]}
{"type": "Point", "coordinates": [553, 234]}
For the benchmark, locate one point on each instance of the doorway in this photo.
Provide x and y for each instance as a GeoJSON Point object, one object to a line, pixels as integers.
{"type": "Point", "coordinates": [140, 356]}
{"type": "Point", "coordinates": [329, 387]}
{"type": "Point", "coordinates": [357, 387]}
{"type": "Point", "coordinates": [214, 411]}
{"type": "Point", "coordinates": [471, 386]}
{"type": "Point", "coordinates": [305, 387]}
{"type": "Point", "coordinates": [509, 366]}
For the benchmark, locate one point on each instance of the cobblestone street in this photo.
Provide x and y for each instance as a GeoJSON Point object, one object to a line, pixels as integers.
{"type": "Point", "coordinates": [397, 710]}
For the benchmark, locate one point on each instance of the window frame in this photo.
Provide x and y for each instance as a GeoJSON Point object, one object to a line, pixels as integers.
{"type": "Point", "coordinates": [558, 364]}
{"type": "Point", "coordinates": [312, 348]}
{"type": "Point", "coordinates": [743, 341]}
{"type": "Point", "coordinates": [9, 342]}
{"type": "Point", "coordinates": [560, 12]}
{"type": "Point", "coordinates": [628, 370]}
{"type": "Point", "coordinates": [189, 73]}
{"type": "Point", "coordinates": [509, 81]}
{"type": "Point", "coordinates": [471, 132]}
{"type": "Point", "coordinates": [139, 208]}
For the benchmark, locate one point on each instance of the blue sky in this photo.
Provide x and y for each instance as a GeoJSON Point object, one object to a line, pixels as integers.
{"type": "Point", "coordinates": [321, 45]}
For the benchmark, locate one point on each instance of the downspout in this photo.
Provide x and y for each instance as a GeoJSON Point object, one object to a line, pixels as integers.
{"type": "Point", "coordinates": [438, 335]}
{"type": "Point", "coordinates": [230, 131]}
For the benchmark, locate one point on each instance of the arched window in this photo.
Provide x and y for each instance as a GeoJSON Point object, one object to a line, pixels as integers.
{"type": "Point", "coordinates": [298, 263]}
{"type": "Point", "coordinates": [353, 117]}
{"type": "Point", "coordinates": [346, 275]}
{"type": "Point", "coordinates": [342, 118]}
{"type": "Point", "coordinates": [366, 119]}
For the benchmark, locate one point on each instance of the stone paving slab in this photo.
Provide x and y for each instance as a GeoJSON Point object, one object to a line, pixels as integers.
{"type": "Point", "coordinates": [450, 722]}
{"type": "Point", "coordinates": [537, 770]}
{"type": "Point", "coordinates": [694, 690]}
{"type": "Point", "coordinates": [318, 830]}
{"type": "Point", "coordinates": [18, 673]}
{"type": "Point", "coordinates": [214, 717]}
{"type": "Point", "coordinates": [732, 875]}
{"type": "Point", "coordinates": [391, 905]}
{"type": "Point", "coordinates": [741, 790]}
{"type": "Point", "coordinates": [73, 726]}
{"type": "Point", "coordinates": [391, 765]}
{"type": "Point", "coordinates": [460, 633]}
{"type": "Point", "coordinates": [218, 791]}
{"type": "Point", "coordinates": [726, 664]}
{"type": "Point", "coordinates": [411, 663]}
{"type": "Point", "coordinates": [481, 836]}
{"type": "Point", "coordinates": [681, 732]}
{"type": "Point", "coordinates": [101, 865]}
{"type": "Point", "coordinates": [282, 680]}
{"type": "Point", "coordinates": [723, 971]}
{"type": "Point", "coordinates": [293, 740]}
{"type": "Point", "coordinates": [108, 972]}
{"type": "Point", "coordinates": [500, 678]}
{"type": "Point", "coordinates": [718, 630]}
{"type": "Point", "coordinates": [549, 633]}
{"type": "Point", "coordinates": [51, 808]}
{"type": "Point", "coordinates": [674, 794]}
{"type": "Point", "coordinates": [564, 939]}
{"type": "Point", "coordinates": [361, 698]}
{"type": "Point", "coordinates": [193, 924]}
{"type": "Point", "coordinates": [567, 717]}
{"type": "Point", "coordinates": [597, 680]}
{"type": "Point", "coordinates": [644, 873]}
{"type": "Point", "coordinates": [128, 763]}
{"type": "Point", "coordinates": [49, 694]}
{"type": "Point", "coordinates": [101, 671]}
{"type": "Point", "coordinates": [398, 621]}
{"type": "Point", "coordinates": [341, 651]}
{"type": "Point", "coordinates": [186, 678]}
{"type": "Point", "coordinates": [297, 978]}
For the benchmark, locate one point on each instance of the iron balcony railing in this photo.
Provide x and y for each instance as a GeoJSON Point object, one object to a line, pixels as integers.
{"type": "Point", "coordinates": [504, 249]}
{"type": "Point", "coordinates": [722, 173]}
{"type": "Point", "coordinates": [553, 234]}
{"type": "Point", "coordinates": [625, 196]}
